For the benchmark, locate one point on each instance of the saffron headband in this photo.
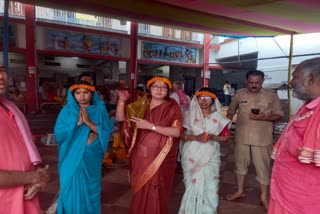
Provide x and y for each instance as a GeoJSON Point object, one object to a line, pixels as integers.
{"type": "Point", "coordinates": [206, 93]}
{"type": "Point", "coordinates": [88, 87]}
{"type": "Point", "coordinates": [163, 79]}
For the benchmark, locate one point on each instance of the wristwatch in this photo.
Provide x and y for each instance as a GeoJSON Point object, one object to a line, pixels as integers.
{"type": "Point", "coordinates": [153, 127]}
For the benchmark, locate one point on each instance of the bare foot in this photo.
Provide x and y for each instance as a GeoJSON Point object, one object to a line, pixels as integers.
{"type": "Point", "coordinates": [235, 196]}
{"type": "Point", "coordinates": [265, 203]}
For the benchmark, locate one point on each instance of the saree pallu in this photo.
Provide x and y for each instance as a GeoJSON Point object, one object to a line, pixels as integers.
{"type": "Point", "coordinates": [79, 164]}
{"type": "Point", "coordinates": [153, 159]}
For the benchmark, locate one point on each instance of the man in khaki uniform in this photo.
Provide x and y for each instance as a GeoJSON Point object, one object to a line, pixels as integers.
{"type": "Point", "coordinates": [257, 110]}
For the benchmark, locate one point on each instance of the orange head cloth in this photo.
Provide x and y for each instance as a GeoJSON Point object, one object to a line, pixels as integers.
{"type": "Point", "coordinates": [206, 93]}
{"type": "Point", "coordinates": [88, 87]}
{"type": "Point", "coordinates": [163, 79]}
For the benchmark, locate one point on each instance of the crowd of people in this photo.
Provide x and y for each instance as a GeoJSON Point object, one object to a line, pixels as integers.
{"type": "Point", "coordinates": [160, 127]}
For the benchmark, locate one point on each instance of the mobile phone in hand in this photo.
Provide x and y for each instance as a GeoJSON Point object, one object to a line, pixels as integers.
{"type": "Point", "coordinates": [255, 111]}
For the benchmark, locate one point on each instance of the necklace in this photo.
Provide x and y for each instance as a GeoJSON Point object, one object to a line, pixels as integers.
{"type": "Point", "coordinates": [304, 116]}
{"type": "Point", "coordinates": [159, 118]}
{"type": "Point", "coordinates": [298, 117]}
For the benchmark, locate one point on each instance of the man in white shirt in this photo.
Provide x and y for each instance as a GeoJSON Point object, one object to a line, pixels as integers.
{"type": "Point", "coordinates": [227, 93]}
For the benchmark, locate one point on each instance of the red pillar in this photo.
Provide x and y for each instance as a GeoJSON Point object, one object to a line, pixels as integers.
{"type": "Point", "coordinates": [206, 53]}
{"type": "Point", "coordinates": [31, 73]}
{"type": "Point", "coordinates": [133, 56]}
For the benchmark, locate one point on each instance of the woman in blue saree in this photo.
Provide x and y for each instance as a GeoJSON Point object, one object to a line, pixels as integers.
{"type": "Point", "coordinates": [82, 131]}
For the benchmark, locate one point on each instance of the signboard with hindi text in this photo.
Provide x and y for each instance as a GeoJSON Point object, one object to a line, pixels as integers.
{"type": "Point", "coordinates": [173, 53]}
{"type": "Point", "coordinates": [84, 43]}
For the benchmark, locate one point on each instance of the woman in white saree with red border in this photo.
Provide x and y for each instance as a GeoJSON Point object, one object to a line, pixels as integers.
{"type": "Point", "coordinates": [206, 126]}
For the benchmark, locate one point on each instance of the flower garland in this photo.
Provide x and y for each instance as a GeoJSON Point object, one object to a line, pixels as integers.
{"type": "Point", "coordinates": [206, 93]}
{"type": "Point", "coordinates": [88, 87]}
{"type": "Point", "coordinates": [163, 79]}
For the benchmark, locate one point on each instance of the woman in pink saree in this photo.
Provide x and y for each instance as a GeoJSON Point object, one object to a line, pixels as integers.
{"type": "Point", "coordinates": [152, 128]}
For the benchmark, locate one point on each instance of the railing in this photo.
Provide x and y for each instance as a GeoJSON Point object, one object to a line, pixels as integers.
{"type": "Point", "coordinates": [16, 9]}
{"type": "Point", "coordinates": [169, 33]}
{"type": "Point", "coordinates": [73, 18]}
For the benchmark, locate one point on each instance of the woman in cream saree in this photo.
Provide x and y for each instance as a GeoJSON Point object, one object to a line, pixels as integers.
{"type": "Point", "coordinates": [206, 126]}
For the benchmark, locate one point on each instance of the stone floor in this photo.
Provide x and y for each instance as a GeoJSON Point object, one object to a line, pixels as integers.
{"type": "Point", "coordinates": [116, 194]}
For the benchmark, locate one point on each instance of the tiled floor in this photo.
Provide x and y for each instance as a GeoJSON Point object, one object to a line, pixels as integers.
{"type": "Point", "coordinates": [115, 197]}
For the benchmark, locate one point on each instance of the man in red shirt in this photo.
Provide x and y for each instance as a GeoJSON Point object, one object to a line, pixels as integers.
{"type": "Point", "coordinates": [295, 180]}
{"type": "Point", "coordinates": [20, 180]}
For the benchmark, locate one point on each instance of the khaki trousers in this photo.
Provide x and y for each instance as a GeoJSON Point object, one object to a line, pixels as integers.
{"type": "Point", "coordinates": [260, 157]}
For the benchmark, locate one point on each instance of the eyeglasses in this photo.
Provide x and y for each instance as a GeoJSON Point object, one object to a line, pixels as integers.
{"type": "Point", "coordinates": [205, 98]}
{"type": "Point", "coordinates": [163, 88]}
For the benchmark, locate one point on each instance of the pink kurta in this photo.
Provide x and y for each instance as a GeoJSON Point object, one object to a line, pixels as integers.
{"type": "Point", "coordinates": [14, 156]}
{"type": "Point", "coordinates": [295, 185]}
